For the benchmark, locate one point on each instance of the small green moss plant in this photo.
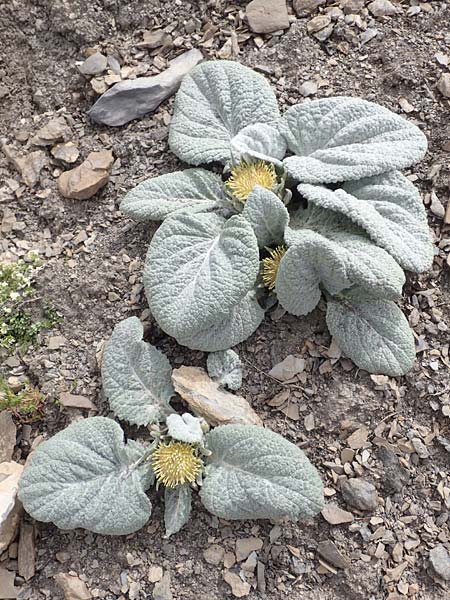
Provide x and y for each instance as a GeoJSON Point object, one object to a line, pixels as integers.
{"type": "Point", "coordinates": [25, 404]}
{"type": "Point", "coordinates": [18, 326]}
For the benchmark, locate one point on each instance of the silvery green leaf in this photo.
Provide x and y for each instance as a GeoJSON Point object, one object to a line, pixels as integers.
{"type": "Point", "coordinates": [135, 451]}
{"type": "Point", "coordinates": [344, 138]}
{"type": "Point", "coordinates": [373, 332]}
{"type": "Point", "coordinates": [254, 473]}
{"type": "Point", "coordinates": [226, 368]}
{"type": "Point", "coordinates": [268, 216]}
{"type": "Point", "coordinates": [177, 508]}
{"type": "Point", "coordinates": [324, 253]}
{"type": "Point", "coordinates": [137, 378]}
{"type": "Point", "coordinates": [185, 428]}
{"type": "Point", "coordinates": [241, 323]}
{"type": "Point", "coordinates": [84, 477]}
{"type": "Point", "coordinates": [216, 100]}
{"type": "Point", "coordinates": [260, 141]}
{"type": "Point", "coordinates": [157, 198]}
{"type": "Point", "coordinates": [198, 268]}
{"type": "Point", "coordinates": [389, 209]}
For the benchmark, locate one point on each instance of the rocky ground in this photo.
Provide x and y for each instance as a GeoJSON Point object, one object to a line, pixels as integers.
{"type": "Point", "coordinates": [381, 444]}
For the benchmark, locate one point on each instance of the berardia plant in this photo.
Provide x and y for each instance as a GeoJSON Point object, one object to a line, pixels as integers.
{"type": "Point", "coordinates": [310, 204]}
{"type": "Point", "coordinates": [87, 476]}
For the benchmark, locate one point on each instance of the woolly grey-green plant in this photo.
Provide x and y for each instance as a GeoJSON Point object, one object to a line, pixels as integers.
{"type": "Point", "coordinates": [326, 207]}
{"type": "Point", "coordinates": [87, 476]}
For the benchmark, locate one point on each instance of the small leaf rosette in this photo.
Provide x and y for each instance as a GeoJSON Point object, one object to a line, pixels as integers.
{"type": "Point", "coordinates": [88, 476]}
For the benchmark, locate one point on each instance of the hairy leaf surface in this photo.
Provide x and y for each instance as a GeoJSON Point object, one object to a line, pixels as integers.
{"type": "Point", "coordinates": [254, 473]}
{"type": "Point", "coordinates": [159, 197]}
{"type": "Point", "coordinates": [240, 324]}
{"type": "Point", "coordinates": [373, 332]}
{"type": "Point", "coordinates": [83, 477]}
{"type": "Point", "coordinates": [344, 138]}
{"type": "Point", "coordinates": [268, 216]}
{"type": "Point", "coordinates": [216, 100]}
{"type": "Point", "coordinates": [389, 209]}
{"type": "Point", "coordinates": [259, 141]}
{"type": "Point", "coordinates": [226, 368]}
{"type": "Point", "coordinates": [137, 378]}
{"type": "Point", "coordinates": [198, 268]}
{"type": "Point", "coordinates": [185, 428]}
{"type": "Point", "coordinates": [324, 253]}
{"type": "Point", "coordinates": [177, 508]}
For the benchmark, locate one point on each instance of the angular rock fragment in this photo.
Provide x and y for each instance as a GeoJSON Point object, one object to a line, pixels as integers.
{"type": "Point", "coordinates": [318, 23]}
{"type": "Point", "coordinates": [27, 551]}
{"type": "Point", "coordinates": [444, 85]}
{"type": "Point", "coordinates": [239, 588]}
{"type": "Point", "coordinates": [360, 494]}
{"type": "Point", "coordinates": [74, 401]}
{"type": "Point", "coordinates": [335, 515]}
{"type": "Point", "coordinates": [207, 400]}
{"type": "Point", "coordinates": [73, 587]}
{"type": "Point", "coordinates": [84, 181]}
{"type": "Point", "coordinates": [8, 432]}
{"type": "Point", "coordinates": [440, 560]}
{"type": "Point", "coordinates": [10, 507]}
{"type": "Point", "coordinates": [382, 8]}
{"type": "Point", "coordinates": [154, 39]}
{"type": "Point", "coordinates": [395, 475]}
{"type": "Point", "coordinates": [56, 130]}
{"type": "Point", "coordinates": [245, 546]}
{"type": "Point", "coordinates": [7, 589]}
{"type": "Point", "coordinates": [94, 64]}
{"type": "Point", "coordinates": [29, 165]}
{"type": "Point", "coordinates": [352, 7]}
{"type": "Point", "coordinates": [330, 553]}
{"type": "Point", "coordinates": [162, 590]}
{"type": "Point", "coordinates": [266, 16]}
{"type": "Point", "coordinates": [305, 8]}
{"type": "Point", "coordinates": [128, 100]}
{"type": "Point", "coordinates": [67, 152]}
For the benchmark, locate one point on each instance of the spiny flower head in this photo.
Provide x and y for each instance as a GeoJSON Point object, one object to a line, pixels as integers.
{"type": "Point", "coordinates": [245, 176]}
{"type": "Point", "coordinates": [271, 265]}
{"type": "Point", "coordinates": [176, 463]}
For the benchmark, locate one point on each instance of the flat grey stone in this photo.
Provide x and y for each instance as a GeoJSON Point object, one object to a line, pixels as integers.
{"type": "Point", "coordinates": [94, 64]}
{"type": "Point", "coordinates": [440, 559]}
{"type": "Point", "coordinates": [128, 100]}
{"type": "Point", "coordinates": [360, 494]}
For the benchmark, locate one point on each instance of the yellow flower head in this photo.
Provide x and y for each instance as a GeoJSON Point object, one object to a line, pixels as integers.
{"type": "Point", "coordinates": [175, 463]}
{"type": "Point", "coordinates": [245, 176]}
{"type": "Point", "coordinates": [271, 265]}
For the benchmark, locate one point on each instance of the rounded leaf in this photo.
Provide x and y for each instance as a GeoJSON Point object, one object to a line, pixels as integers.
{"type": "Point", "coordinates": [344, 138]}
{"type": "Point", "coordinates": [197, 269]}
{"type": "Point", "coordinates": [185, 428]}
{"type": "Point", "coordinates": [195, 190]}
{"type": "Point", "coordinates": [84, 477]}
{"type": "Point", "coordinates": [254, 473]}
{"type": "Point", "coordinates": [177, 508]}
{"type": "Point", "coordinates": [268, 216]}
{"type": "Point", "coordinates": [240, 324]}
{"type": "Point", "coordinates": [226, 368]}
{"type": "Point", "coordinates": [260, 141]}
{"type": "Point", "coordinates": [373, 332]}
{"type": "Point", "coordinates": [330, 256]}
{"type": "Point", "coordinates": [137, 378]}
{"type": "Point", "coordinates": [216, 100]}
